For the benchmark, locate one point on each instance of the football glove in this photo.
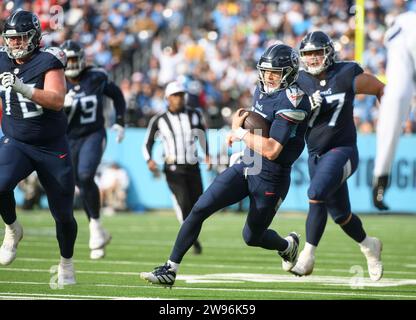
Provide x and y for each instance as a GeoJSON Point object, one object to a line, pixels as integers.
{"type": "Point", "coordinates": [315, 100]}
{"type": "Point", "coordinates": [10, 80]}
{"type": "Point", "coordinates": [69, 99]}
{"type": "Point", "coordinates": [379, 188]}
{"type": "Point", "coordinates": [120, 132]}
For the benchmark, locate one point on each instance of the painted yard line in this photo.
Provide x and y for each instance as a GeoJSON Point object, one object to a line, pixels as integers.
{"type": "Point", "coordinates": [136, 245]}
{"type": "Point", "coordinates": [353, 281]}
{"type": "Point", "coordinates": [219, 266]}
{"type": "Point", "coordinates": [75, 296]}
{"type": "Point", "coordinates": [295, 292]}
{"type": "Point", "coordinates": [30, 298]}
{"type": "Point", "coordinates": [261, 278]}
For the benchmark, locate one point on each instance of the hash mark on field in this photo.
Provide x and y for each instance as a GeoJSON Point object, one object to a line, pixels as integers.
{"type": "Point", "coordinates": [217, 266]}
{"type": "Point", "coordinates": [253, 277]}
{"type": "Point", "coordinates": [368, 295]}
{"type": "Point", "coordinates": [75, 296]}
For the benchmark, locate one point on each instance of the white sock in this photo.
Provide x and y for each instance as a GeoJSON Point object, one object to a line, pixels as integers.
{"type": "Point", "coordinates": [309, 248]}
{"type": "Point", "coordinates": [95, 223]}
{"type": "Point", "coordinates": [66, 261]}
{"type": "Point", "coordinates": [174, 265]}
{"type": "Point", "coordinates": [366, 242]}
{"type": "Point", "coordinates": [12, 226]}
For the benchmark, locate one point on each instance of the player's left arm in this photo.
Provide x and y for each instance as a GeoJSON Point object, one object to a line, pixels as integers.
{"type": "Point", "coordinates": [280, 132]}
{"type": "Point", "coordinates": [366, 83]}
{"type": "Point", "coordinates": [112, 91]}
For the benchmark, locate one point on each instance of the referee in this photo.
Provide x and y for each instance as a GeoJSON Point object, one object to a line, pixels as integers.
{"type": "Point", "coordinates": [179, 127]}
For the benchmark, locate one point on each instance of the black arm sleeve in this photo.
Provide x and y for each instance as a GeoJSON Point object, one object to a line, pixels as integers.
{"type": "Point", "coordinates": [150, 138]}
{"type": "Point", "coordinates": [112, 91]}
{"type": "Point", "coordinates": [202, 125]}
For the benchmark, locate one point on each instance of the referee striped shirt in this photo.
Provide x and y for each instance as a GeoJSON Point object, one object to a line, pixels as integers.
{"type": "Point", "coordinates": [178, 132]}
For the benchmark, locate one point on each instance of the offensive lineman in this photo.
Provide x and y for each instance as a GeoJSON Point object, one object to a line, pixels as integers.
{"type": "Point", "coordinates": [34, 125]}
{"type": "Point", "coordinates": [332, 146]}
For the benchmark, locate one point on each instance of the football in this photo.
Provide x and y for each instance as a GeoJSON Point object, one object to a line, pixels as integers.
{"type": "Point", "coordinates": [256, 121]}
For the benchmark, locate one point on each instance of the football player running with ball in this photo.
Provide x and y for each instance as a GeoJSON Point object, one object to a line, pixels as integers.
{"type": "Point", "coordinates": [332, 146]}
{"type": "Point", "coordinates": [281, 102]}
{"type": "Point", "coordinates": [84, 106]}
{"type": "Point", "coordinates": [34, 125]}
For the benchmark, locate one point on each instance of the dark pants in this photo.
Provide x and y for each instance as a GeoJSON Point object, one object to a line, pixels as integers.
{"type": "Point", "coordinates": [86, 156]}
{"type": "Point", "coordinates": [329, 174]}
{"type": "Point", "coordinates": [266, 194]}
{"type": "Point", "coordinates": [185, 183]}
{"type": "Point", "coordinates": [53, 165]}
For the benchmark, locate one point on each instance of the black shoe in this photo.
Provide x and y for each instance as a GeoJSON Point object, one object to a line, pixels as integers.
{"type": "Point", "coordinates": [197, 247]}
{"type": "Point", "coordinates": [163, 275]}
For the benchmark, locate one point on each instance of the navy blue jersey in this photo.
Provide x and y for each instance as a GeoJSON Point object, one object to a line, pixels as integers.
{"type": "Point", "coordinates": [287, 110]}
{"type": "Point", "coordinates": [87, 112]}
{"type": "Point", "coordinates": [23, 119]}
{"type": "Point", "coordinates": [332, 125]}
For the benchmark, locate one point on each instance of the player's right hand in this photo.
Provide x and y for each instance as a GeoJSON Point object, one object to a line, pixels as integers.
{"type": "Point", "coordinates": [379, 188]}
{"type": "Point", "coordinates": [315, 100]}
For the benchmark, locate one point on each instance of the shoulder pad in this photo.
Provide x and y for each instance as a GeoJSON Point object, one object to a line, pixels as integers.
{"type": "Point", "coordinates": [294, 94]}
{"type": "Point", "coordinates": [99, 70]}
{"type": "Point", "coordinates": [292, 115]}
{"type": "Point", "coordinates": [57, 53]}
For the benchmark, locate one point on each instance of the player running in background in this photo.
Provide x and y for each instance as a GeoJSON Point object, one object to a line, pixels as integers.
{"type": "Point", "coordinates": [34, 125]}
{"type": "Point", "coordinates": [332, 146]}
{"type": "Point", "coordinates": [286, 107]}
{"type": "Point", "coordinates": [84, 107]}
{"type": "Point", "coordinates": [400, 41]}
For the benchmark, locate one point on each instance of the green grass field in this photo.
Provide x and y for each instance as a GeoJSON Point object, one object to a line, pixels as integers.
{"type": "Point", "coordinates": [227, 269]}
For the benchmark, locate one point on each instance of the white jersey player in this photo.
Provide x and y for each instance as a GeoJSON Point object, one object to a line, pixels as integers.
{"type": "Point", "coordinates": [400, 41]}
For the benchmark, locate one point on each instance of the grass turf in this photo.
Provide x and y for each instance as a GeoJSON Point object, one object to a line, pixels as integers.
{"type": "Point", "coordinates": [227, 269]}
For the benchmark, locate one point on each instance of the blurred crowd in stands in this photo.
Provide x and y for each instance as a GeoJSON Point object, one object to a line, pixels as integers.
{"type": "Point", "coordinates": [212, 46]}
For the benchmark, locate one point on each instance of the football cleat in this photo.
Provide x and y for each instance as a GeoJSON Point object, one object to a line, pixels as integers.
{"type": "Point", "coordinates": [99, 237]}
{"type": "Point", "coordinates": [11, 240]}
{"type": "Point", "coordinates": [373, 255]}
{"type": "Point", "coordinates": [290, 254]}
{"type": "Point", "coordinates": [197, 247]}
{"type": "Point", "coordinates": [163, 275]}
{"type": "Point", "coordinates": [97, 254]}
{"type": "Point", "coordinates": [304, 265]}
{"type": "Point", "coordinates": [66, 274]}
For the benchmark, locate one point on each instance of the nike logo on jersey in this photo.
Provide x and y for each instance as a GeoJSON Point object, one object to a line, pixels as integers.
{"type": "Point", "coordinates": [327, 92]}
{"type": "Point", "coordinates": [259, 106]}
{"type": "Point", "coordinates": [62, 156]}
